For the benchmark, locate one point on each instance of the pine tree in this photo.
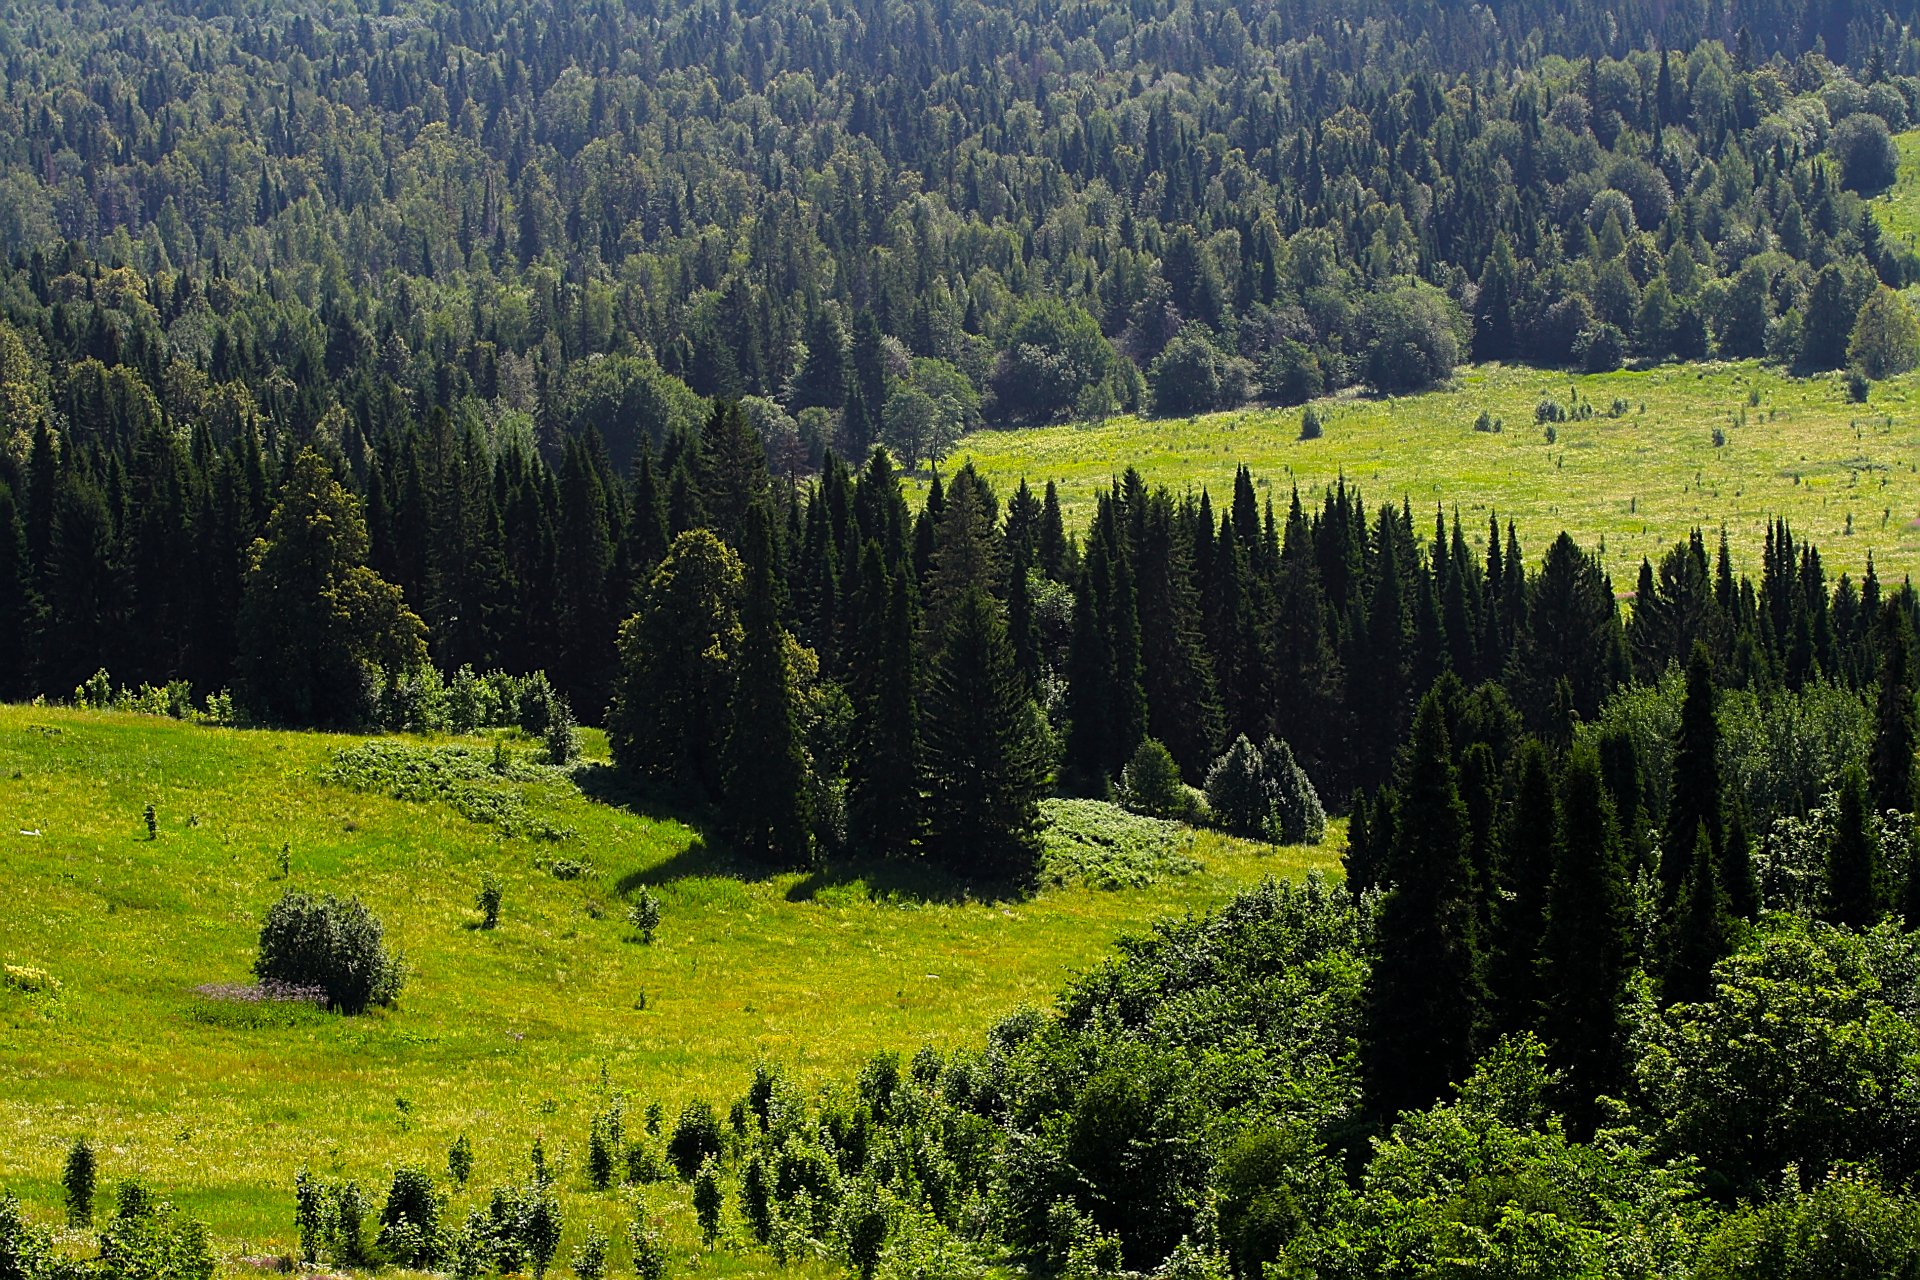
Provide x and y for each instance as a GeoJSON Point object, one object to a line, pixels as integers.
{"type": "Point", "coordinates": [1700, 931]}
{"type": "Point", "coordinates": [984, 749]}
{"type": "Point", "coordinates": [731, 470]}
{"type": "Point", "coordinates": [1584, 950]}
{"type": "Point", "coordinates": [1856, 888]}
{"type": "Point", "coordinates": [1427, 994]}
{"type": "Point", "coordinates": [883, 764]}
{"type": "Point", "coordinates": [766, 770]}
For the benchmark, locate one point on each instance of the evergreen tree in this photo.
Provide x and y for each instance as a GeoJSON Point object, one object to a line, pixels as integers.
{"type": "Point", "coordinates": [1896, 730]}
{"type": "Point", "coordinates": [766, 770]}
{"type": "Point", "coordinates": [1694, 799]}
{"type": "Point", "coordinates": [1426, 995]}
{"type": "Point", "coordinates": [1527, 864]}
{"type": "Point", "coordinates": [16, 598]}
{"type": "Point", "coordinates": [1856, 888]}
{"type": "Point", "coordinates": [984, 749]}
{"type": "Point", "coordinates": [1585, 948]}
{"type": "Point", "coordinates": [883, 765]}
{"type": "Point", "coordinates": [1701, 928]}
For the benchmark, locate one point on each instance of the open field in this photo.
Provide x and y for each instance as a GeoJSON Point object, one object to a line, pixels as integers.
{"type": "Point", "coordinates": [500, 1034]}
{"type": "Point", "coordinates": [1792, 447]}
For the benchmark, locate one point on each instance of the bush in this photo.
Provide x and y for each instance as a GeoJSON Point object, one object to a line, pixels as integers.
{"type": "Point", "coordinates": [148, 1239]}
{"type": "Point", "coordinates": [1262, 793]}
{"type": "Point", "coordinates": [1847, 1228]}
{"type": "Point", "coordinates": [1151, 782]}
{"type": "Point", "coordinates": [1311, 426]}
{"type": "Point", "coordinates": [1102, 845]}
{"type": "Point", "coordinates": [336, 946]}
{"type": "Point", "coordinates": [649, 1248]}
{"type": "Point", "coordinates": [410, 1221]}
{"type": "Point", "coordinates": [563, 735]}
{"type": "Point", "coordinates": [590, 1259]}
{"type": "Point", "coordinates": [1193, 376]}
{"type": "Point", "coordinates": [460, 1161]}
{"type": "Point", "coordinates": [1866, 153]}
{"type": "Point", "coordinates": [695, 1138]}
{"type": "Point", "coordinates": [707, 1199]}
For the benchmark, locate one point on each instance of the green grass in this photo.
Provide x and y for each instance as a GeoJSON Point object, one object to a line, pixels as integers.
{"type": "Point", "coordinates": [1898, 208]}
{"type": "Point", "coordinates": [500, 1034]}
{"type": "Point", "coordinates": [1637, 483]}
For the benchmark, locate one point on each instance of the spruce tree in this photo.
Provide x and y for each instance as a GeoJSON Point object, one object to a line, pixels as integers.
{"type": "Point", "coordinates": [1694, 800]}
{"type": "Point", "coordinates": [1426, 996]}
{"type": "Point", "coordinates": [1855, 880]}
{"type": "Point", "coordinates": [985, 755]}
{"type": "Point", "coordinates": [1527, 863]}
{"type": "Point", "coordinates": [1896, 730]}
{"type": "Point", "coordinates": [883, 763]}
{"type": "Point", "coordinates": [1584, 950]}
{"type": "Point", "coordinates": [1700, 930]}
{"type": "Point", "coordinates": [766, 769]}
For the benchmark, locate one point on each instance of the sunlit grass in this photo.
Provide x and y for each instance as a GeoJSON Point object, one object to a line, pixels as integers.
{"type": "Point", "coordinates": [501, 1034]}
{"type": "Point", "coordinates": [1843, 474]}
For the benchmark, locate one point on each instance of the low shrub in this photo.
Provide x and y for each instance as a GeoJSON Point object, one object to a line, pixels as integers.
{"type": "Point", "coordinates": [1099, 844]}
{"type": "Point", "coordinates": [695, 1137]}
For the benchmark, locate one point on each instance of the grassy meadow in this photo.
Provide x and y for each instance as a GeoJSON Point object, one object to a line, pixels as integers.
{"type": "Point", "coordinates": [502, 1034]}
{"type": "Point", "coordinates": [1636, 482]}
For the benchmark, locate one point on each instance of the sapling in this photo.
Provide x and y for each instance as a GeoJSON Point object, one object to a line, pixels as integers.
{"type": "Point", "coordinates": [644, 915]}
{"type": "Point", "coordinates": [460, 1160]}
{"type": "Point", "coordinates": [153, 822]}
{"type": "Point", "coordinates": [707, 1199]}
{"type": "Point", "coordinates": [590, 1259]}
{"type": "Point", "coordinates": [78, 1179]}
{"type": "Point", "coordinates": [487, 901]}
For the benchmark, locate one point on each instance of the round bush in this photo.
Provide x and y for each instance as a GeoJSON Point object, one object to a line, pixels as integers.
{"type": "Point", "coordinates": [334, 946]}
{"type": "Point", "coordinates": [695, 1137]}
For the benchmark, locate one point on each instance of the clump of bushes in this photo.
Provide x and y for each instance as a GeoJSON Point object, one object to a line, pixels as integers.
{"type": "Point", "coordinates": [1262, 793]}
{"type": "Point", "coordinates": [338, 947]}
{"type": "Point", "coordinates": [1151, 784]}
{"type": "Point", "coordinates": [1099, 844]}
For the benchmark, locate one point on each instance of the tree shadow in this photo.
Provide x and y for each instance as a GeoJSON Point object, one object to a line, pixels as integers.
{"type": "Point", "coordinates": [883, 879]}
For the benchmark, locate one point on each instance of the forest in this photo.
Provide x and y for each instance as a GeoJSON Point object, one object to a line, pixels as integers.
{"type": "Point", "coordinates": [382, 365]}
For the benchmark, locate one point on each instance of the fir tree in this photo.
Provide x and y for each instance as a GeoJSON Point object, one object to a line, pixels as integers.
{"type": "Point", "coordinates": [1896, 730]}
{"type": "Point", "coordinates": [766, 770]}
{"type": "Point", "coordinates": [984, 748]}
{"type": "Point", "coordinates": [1700, 931]}
{"type": "Point", "coordinates": [1855, 880]}
{"type": "Point", "coordinates": [1527, 864]}
{"type": "Point", "coordinates": [1426, 997]}
{"type": "Point", "coordinates": [883, 765]}
{"type": "Point", "coordinates": [1584, 949]}
{"type": "Point", "coordinates": [1694, 800]}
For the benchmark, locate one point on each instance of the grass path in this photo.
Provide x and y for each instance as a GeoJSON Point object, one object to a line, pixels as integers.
{"type": "Point", "coordinates": [499, 1034]}
{"type": "Point", "coordinates": [1790, 447]}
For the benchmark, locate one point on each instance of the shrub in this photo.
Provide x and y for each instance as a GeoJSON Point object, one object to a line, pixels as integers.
{"type": "Point", "coordinates": [148, 1239]}
{"type": "Point", "coordinates": [563, 735]}
{"type": "Point", "coordinates": [590, 1259]}
{"type": "Point", "coordinates": [644, 915]}
{"type": "Point", "coordinates": [1151, 782]}
{"type": "Point", "coordinates": [649, 1248]}
{"type": "Point", "coordinates": [410, 1220]}
{"type": "Point", "coordinates": [1847, 1228]}
{"type": "Point", "coordinates": [487, 901]}
{"type": "Point", "coordinates": [1099, 844]}
{"type": "Point", "coordinates": [696, 1137]}
{"type": "Point", "coordinates": [1262, 793]}
{"type": "Point", "coordinates": [1486, 422]}
{"type": "Point", "coordinates": [78, 1180]}
{"type": "Point", "coordinates": [1858, 385]}
{"type": "Point", "coordinates": [336, 946]}
{"type": "Point", "coordinates": [643, 1163]}
{"type": "Point", "coordinates": [604, 1139]}
{"type": "Point", "coordinates": [863, 1227]}
{"type": "Point", "coordinates": [25, 1252]}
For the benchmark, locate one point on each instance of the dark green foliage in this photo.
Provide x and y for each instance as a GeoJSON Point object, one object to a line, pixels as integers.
{"type": "Point", "coordinates": [77, 1180]}
{"type": "Point", "coordinates": [1261, 793]}
{"type": "Point", "coordinates": [1527, 861]}
{"type": "Point", "coordinates": [1193, 376]}
{"type": "Point", "coordinates": [325, 943]}
{"type": "Point", "coordinates": [589, 1261]}
{"type": "Point", "coordinates": [765, 791]}
{"type": "Point", "coordinates": [1584, 950]}
{"type": "Point", "coordinates": [1856, 890]}
{"type": "Point", "coordinates": [1263, 1202]}
{"type": "Point", "coordinates": [1700, 926]}
{"type": "Point", "coordinates": [1896, 732]}
{"type": "Point", "coordinates": [1426, 998]}
{"type": "Point", "coordinates": [707, 1200]}
{"type": "Point", "coordinates": [460, 1161]}
{"type": "Point", "coordinates": [1695, 796]}
{"type": "Point", "coordinates": [984, 750]}
{"type": "Point", "coordinates": [487, 901]}
{"type": "Point", "coordinates": [883, 766]}
{"type": "Point", "coordinates": [1151, 783]}
{"type": "Point", "coordinates": [696, 1136]}
{"type": "Point", "coordinates": [1865, 152]}
{"type": "Point", "coordinates": [644, 914]}
{"type": "Point", "coordinates": [410, 1220]}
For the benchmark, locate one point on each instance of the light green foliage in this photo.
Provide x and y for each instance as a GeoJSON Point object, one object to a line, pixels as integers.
{"type": "Point", "coordinates": [1095, 843]}
{"type": "Point", "coordinates": [148, 1239]}
{"type": "Point", "coordinates": [1151, 784]}
{"type": "Point", "coordinates": [479, 786]}
{"type": "Point", "coordinates": [1491, 1186]}
{"type": "Point", "coordinates": [1845, 1228]}
{"type": "Point", "coordinates": [1804, 1056]}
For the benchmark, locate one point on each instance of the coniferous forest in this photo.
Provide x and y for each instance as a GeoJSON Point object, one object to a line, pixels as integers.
{"type": "Point", "coordinates": [417, 367]}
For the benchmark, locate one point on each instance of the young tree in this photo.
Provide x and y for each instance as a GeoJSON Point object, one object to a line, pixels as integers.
{"type": "Point", "coordinates": [985, 751]}
{"type": "Point", "coordinates": [1526, 865]}
{"type": "Point", "coordinates": [883, 765]}
{"type": "Point", "coordinates": [1896, 730]}
{"type": "Point", "coordinates": [1694, 800]}
{"type": "Point", "coordinates": [1700, 931]}
{"type": "Point", "coordinates": [1886, 336]}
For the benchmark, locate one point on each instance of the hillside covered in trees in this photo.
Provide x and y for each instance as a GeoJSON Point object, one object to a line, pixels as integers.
{"type": "Point", "coordinates": [446, 367]}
